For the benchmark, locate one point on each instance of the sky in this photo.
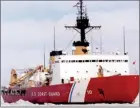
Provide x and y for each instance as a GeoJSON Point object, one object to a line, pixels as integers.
{"type": "Point", "coordinates": [26, 26]}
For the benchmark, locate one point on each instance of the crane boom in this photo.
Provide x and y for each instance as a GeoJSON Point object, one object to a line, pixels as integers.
{"type": "Point", "coordinates": [23, 78]}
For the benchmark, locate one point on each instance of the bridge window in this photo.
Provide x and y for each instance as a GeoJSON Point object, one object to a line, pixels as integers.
{"type": "Point", "coordinates": [72, 61]}
{"type": "Point", "coordinates": [118, 60]}
{"type": "Point", "coordinates": [62, 61]}
{"type": "Point", "coordinates": [126, 60]}
{"type": "Point", "coordinates": [106, 60]}
{"type": "Point", "coordinates": [87, 60]}
{"type": "Point", "coordinates": [100, 60]}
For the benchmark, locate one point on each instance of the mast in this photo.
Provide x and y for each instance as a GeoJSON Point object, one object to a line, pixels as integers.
{"type": "Point", "coordinates": [91, 45]}
{"type": "Point", "coordinates": [124, 39]}
{"type": "Point", "coordinates": [54, 38]}
{"type": "Point", "coordinates": [82, 23]}
{"type": "Point", "coordinates": [44, 57]}
{"type": "Point", "coordinates": [100, 42]}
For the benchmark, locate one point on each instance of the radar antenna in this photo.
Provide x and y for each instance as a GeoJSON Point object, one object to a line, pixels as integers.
{"type": "Point", "coordinates": [82, 23]}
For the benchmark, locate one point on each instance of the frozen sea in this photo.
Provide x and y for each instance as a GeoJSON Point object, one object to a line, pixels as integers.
{"type": "Point", "coordinates": [26, 103]}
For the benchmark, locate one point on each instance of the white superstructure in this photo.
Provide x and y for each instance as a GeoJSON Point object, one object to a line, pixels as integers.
{"type": "Point", "coordinates": [82, 67]}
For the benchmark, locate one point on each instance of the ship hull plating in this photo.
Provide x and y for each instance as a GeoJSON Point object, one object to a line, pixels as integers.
{"type": "Point", "coordinates": [115, 89]}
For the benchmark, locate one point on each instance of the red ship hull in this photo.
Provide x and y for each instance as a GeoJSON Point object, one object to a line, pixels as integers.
{"type": "Point", "coordinates": [114, 89]}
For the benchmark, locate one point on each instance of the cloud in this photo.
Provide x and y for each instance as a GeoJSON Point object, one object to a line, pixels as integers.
{"type": "Point", "coordinates": [40, 10]}
{"type": "Point", "coordinates": [23, 38]}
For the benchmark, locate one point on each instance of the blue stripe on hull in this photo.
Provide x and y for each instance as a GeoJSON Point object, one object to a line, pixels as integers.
{"type": "Point", "coordinates": [71, 92]}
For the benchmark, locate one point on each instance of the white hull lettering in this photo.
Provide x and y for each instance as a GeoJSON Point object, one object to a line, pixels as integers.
{"type": "Point", "coordinates": [33, 94]}
{"type": "Point", "coordinates": [89, 92]}
{"type": "Point", "coordinates": [42, 93]}
{"type": "Point", "coordinates": [45, 94]}
{"type": "Point", "coordinates": [54, 94]}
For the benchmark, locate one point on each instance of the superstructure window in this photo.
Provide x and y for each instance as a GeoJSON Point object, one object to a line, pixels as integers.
{"type": "Point", "coordinates": [106, 60]}
{"type": "Point", "coordinates": [63, 61]}
{"type": "Point", "coordinates": [126, 60]}
{"type": "Point", "coordinates": [115, 60]}
{"type": "Point", "coordinates": [87, 60]}
{"type": "Point", "coordinates": [118, 60]}
{"type": "Point", "coordinates": [100, 60]}
{"type": "Point", "coordinates": [72, 61]}
{"type": "Point", "coordinates": [56, 61]}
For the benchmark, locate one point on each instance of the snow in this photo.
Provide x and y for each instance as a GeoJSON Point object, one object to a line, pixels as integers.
{"type": "Point", "coordinates": [26, 103]}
